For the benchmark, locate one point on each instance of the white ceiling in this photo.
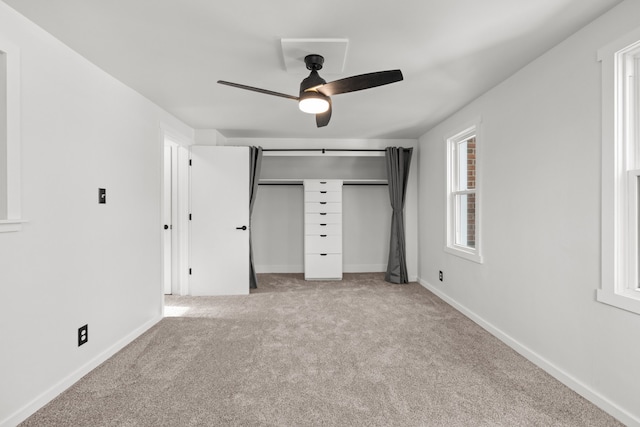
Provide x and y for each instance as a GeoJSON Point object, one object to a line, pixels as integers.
{"type": "Point", "coordinates": [174, 51]}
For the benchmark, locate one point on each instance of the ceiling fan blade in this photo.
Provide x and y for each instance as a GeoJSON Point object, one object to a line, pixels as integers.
{"type": "Point", "coordinates": [257, 89]}
{"type": "Point", "coordinates": [322, 119]}
{"type": "Point", "coordinates": [360, 82]}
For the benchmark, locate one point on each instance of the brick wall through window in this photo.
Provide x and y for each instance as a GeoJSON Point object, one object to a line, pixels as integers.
{"type": "Point", "coordinates": [471, 198]}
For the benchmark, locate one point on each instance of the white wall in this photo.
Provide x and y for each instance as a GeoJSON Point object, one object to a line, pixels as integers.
{"type": "Point", "coordinates": [278, 228]}
{"type": "Point", "coordinates": [277, 221]}
{"type": "Point", "coordinates": [77, 262]}
{"type": "Point", "coordinates": [540, 221]}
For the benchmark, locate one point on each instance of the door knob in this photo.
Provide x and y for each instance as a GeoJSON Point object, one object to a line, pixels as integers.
{"type": "Point", "coordinates": [166, 227]}
{"type": "Point", "coordinates": [244, 227]}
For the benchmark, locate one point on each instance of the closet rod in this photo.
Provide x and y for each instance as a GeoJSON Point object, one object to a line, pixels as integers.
{"type": "Point", "coordinates": [299, 183]}
{"type": "Point", "coordinates": [279, 183]}
{"type": "Point", "coordinates": [322, 149]}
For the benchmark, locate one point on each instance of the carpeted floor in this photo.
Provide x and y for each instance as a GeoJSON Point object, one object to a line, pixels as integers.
{"type": "Point", "coordinates": [360, 352]}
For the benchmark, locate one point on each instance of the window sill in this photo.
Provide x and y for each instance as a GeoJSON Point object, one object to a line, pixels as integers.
{"type": "Point", "coordinates": [471, 256]}
{"type": "Point", "coordinates": [8, 225]}
{"type": "Point", "coordinates": [627, 301]}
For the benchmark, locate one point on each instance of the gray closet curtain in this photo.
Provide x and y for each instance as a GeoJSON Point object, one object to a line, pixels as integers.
{"type": "Point", "coordinates": [398, 160]}
{"type": "Point", "coordinates": [255, 162]}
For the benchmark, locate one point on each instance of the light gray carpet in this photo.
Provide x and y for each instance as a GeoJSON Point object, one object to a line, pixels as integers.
{"type": "Point", "coordinates": [360, 352]}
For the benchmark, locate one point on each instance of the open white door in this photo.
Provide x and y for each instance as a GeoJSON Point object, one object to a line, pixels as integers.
{"type": "Point", "coordinates": [220, 221]}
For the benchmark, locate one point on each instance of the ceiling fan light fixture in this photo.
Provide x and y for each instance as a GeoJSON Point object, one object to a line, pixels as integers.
{"type": "Point", "coordinates": [315, 92]}
{"type": "Point", "coordinates": [313, 103]}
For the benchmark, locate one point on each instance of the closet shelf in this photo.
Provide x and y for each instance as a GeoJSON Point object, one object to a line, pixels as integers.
{"type": "Point", "coordinates": [327, 152]}
{"type": "Point", "coordinates": [289, 181]}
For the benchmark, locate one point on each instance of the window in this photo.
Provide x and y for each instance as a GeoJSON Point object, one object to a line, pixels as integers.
{"type": "Point", "coordinates": [463, 215]}
{"type": "Point", "coordinates": [620, 283]}
{"type": "Point", "coordinates": [10, 219]}
{"type": "Point", "coordinates": [3, 135]}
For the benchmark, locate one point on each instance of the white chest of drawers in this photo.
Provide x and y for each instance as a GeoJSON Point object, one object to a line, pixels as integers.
{"type": "Point", "coordinates": [322, 229]}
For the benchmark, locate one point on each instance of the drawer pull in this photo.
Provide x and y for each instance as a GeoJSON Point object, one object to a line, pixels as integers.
{"type": "Point", "coordinates": [323, 254]}
{"type": "Point", "coordinates": [323, 203]}
{"type": "Point", "coordinates": [323, 235]}
{"type": "Point", "coordinates": [323, 192]}
{"type": "Point", "coordinates": [323, 225]}
{"type": "Point", "coordinates": [323, 182]}
{"type": "Point", "coordinates": [323, 213]}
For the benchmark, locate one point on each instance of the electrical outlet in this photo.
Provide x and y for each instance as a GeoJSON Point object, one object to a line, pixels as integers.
{"type": "Point", "coordinates": [441, 276]}
{"type": "Point", "coordinates": [83, 335]}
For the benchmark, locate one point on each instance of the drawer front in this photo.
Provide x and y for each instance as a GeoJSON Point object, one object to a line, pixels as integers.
{"type": "Point", "coordinates": [323, 244]}
{"type": "Point", "coordinates": [318, 266]}
{"type": "Point", "coordinates": [323, 218]}
{"type": "Point", "coordinates": [322, 185]}
{"type": "Point", "coordinates": [323, 228]}
{"type": "Point", "coordinates": [323, 196]}
{"type": "Point", "coordinates": [324, 207]}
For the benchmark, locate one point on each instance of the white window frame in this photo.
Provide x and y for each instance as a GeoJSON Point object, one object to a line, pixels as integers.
{"type": "Point", "coordinates": [620, 255]}
{"type": "Point", "coordinates": [13, 220]}
{"type": "Point", "coordinates": [452, 140]}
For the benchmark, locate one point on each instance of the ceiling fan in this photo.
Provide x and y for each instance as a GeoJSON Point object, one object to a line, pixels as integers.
{"type": "Point", "coordinates": [315, 92]}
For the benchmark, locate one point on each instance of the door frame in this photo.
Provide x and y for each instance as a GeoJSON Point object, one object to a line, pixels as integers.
{"type": "Point", "coordinates": [168, 215]}
{"type": "Point", "coordinates": [179, 256]}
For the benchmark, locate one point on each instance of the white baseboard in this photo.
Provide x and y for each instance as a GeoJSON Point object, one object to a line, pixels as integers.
{"type": "Point", "coordinates": [347, 268]}
{"type": "Point", "coordinates": [573, 383]}
{"type": "Point", "coordinates": [364, 268]}
{"type": "Point", "coordinates": [44, 398]}
{"type": "Point", "coordinates": [279, 269]}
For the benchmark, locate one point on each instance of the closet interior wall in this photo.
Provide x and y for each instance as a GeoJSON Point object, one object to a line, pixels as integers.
{"type": "Point", "coordinates": [278, 218]}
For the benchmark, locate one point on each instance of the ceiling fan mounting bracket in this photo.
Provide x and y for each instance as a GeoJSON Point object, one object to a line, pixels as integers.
{"type": "Point", "coordinates": [314, 62]}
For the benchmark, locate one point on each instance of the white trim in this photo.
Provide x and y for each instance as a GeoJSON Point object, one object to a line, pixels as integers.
{"type": "Point", "coordinates": [347, 268]}
{"type": "Point", "coordinates": [629, 300]}
{"type": "Point", "coordinates": [267, 268]}
{"type": "Point", "coordinates": [8, 225]}
{"type": "Point", "coordinates": [14, 195]}
{"type": "Point", "coordinates": [364, 268]}
{"type": "Point", "coordinates": [619, 251]}
{"type": "Point", "coordinates": [549, 367]}
{"type": "Point", "coordinates": [472, 128]}
{"type": "Point", "coordinates": [44, 398]}
{"type": "Point", "coordinates": [175, 135]}
{"type": "Point", "coordinates": [183, 219]}
{"type": "Point", "coordinates": [181, 230]}
{"type": "Point", "coordinates": [461, 252]}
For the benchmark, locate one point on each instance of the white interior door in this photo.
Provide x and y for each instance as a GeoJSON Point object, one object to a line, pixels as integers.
{"type": "Point", "coordinates": [167, 215]}
{"type": "Point", "coordinates": [220, 221]}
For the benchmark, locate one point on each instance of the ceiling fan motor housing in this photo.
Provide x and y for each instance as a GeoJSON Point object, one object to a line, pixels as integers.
{"type": "Point", "coordinates": [314, 80]}
{"type": "Point", "coordinates": [314, 62]}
